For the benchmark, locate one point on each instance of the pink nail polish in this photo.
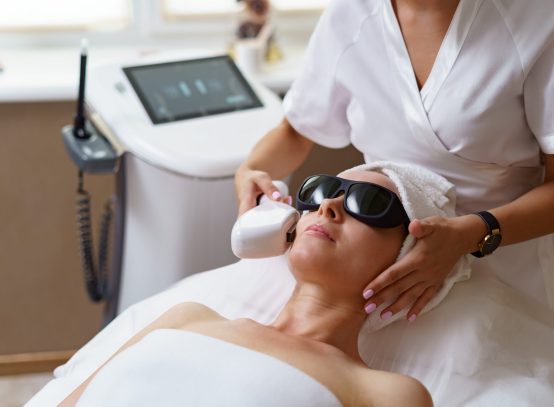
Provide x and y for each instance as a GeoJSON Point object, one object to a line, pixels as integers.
{"type": "Point", "coordinates": [276, 195]}
{"type": "Point", "coordinates": [289, 200]}
{"type": "Point", "coordinates": [368, 294]}
{"type": "Point", "coordinates": [386, 315]}
{"type": "Point", "coordinates": [412, 318]}
{"type": "Point", "coordinates": [370, 308]}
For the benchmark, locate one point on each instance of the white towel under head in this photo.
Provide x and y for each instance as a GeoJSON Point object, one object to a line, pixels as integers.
{"type": "Point", "coordinates": [423, 194]}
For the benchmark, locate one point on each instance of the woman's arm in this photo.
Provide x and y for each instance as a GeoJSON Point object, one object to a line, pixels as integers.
{"type": "Point", "coordinates": [275, 156]}
{"type": "Point", "coordinates": [531, 215]}
{"type": "Point", "coordinates": [378, 388]}
{"type": "Point", "coordinates": [442, 241]}
{"type": "Point", "coordinates": [177, 317]}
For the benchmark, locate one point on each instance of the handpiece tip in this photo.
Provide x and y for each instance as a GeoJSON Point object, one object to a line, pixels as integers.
{"type": "Point", "coordinates": [84, 46]}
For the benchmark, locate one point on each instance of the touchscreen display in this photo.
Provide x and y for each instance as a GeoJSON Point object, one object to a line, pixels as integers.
{"type": "Point", "coordinates": [193, 88]}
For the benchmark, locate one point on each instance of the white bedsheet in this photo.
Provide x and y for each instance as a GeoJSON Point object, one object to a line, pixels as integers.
{"type": "Point", "coordinates": [486, 345]}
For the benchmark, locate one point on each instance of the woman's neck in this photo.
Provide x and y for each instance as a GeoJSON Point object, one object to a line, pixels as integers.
{"type": "Point", "coordinates": [427, 5]}
{"type": "Point", "coordinates": [312, 313]}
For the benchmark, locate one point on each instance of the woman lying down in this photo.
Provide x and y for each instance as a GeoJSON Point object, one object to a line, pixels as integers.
{"type": "Point", "coordinates": [192, 356]}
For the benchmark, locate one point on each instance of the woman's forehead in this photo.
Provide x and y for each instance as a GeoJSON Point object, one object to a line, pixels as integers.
{"type": "Point", "coordinates": [370, 176]}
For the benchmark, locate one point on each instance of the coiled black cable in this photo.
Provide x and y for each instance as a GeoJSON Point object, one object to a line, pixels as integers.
{"type": "Point", "coordinates": [96, 278]}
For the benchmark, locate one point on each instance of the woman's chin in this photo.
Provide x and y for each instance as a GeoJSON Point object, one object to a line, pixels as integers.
{"type": "Point", "coordinates": [311, 255]}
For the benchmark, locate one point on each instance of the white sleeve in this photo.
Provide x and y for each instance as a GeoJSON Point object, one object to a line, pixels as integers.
{"type": "Point", "coordinates": [316, 104]}
{"type": "Point", "coordinates": [538, 93]}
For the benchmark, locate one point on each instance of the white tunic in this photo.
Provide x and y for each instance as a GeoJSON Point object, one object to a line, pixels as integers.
{"type": "Point", "coordinates": [171, 367]}
{"type": "Point", "coordinates": [480, 120]}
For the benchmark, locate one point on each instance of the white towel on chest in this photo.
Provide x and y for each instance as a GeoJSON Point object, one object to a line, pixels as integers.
{"type": "Point", "coordinates": [423, 194]}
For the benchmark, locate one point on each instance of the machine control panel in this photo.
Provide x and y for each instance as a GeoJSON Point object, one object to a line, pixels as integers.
{"type": "Point", "coordinates": [187, 89]}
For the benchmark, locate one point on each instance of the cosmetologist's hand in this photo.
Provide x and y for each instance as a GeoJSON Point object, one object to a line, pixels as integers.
{"type": "Point", "coordinates": [249, 184]}
{"type": "Point", "coordinates": [416, 278]}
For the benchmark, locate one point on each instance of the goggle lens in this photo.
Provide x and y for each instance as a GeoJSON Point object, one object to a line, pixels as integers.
{"type": "Point", "coordinates": [318, 188]}
{"type": "Point", "coordinates": [364, 200]}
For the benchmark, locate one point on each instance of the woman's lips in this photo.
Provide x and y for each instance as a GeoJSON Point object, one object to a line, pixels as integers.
{"type": "Point", "coordinates": [318, 230]}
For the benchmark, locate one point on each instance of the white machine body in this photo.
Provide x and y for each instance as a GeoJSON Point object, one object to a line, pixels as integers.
{"type": "Point", "coordinates": [175, 226]}
{"type": "Point", "coordinates": [206, 147]}
{"type": "Point", "coordinates": [179, 203]}
{"type": "Point", "coordinates": [266, 230]}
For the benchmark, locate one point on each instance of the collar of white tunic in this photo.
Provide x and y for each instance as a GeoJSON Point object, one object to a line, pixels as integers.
{"type": "Point", "coordinates": [448, 52]}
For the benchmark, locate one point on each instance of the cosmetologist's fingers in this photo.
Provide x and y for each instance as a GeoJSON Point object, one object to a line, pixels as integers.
{"type": "Point", "coordinates": [265, 183]}
{"type": "Point", "coordinates": [405, 299]}
{"type": "Point", "coordinates": [421, 302]}
{"type": "Point", "coordinates": [394, 273]}
{"type": "Point", "coordinates": [420, 228]}
{"type": "Point", "coordinates": [246, 203]}
{"type": "Point", "coordinates": [393, 291]}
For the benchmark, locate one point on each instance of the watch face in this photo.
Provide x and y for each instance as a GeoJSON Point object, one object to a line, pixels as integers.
{"type": "Point", "coordinates": [490, 243]}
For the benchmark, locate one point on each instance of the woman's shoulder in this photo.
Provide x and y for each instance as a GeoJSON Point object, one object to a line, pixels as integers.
{"type": "Point", "coordinates": [522, 19]}
{"type": "Point", "coordinates": [344, 17]}
{"type": "Point", "coordinates": [381, 388]}
{"type": "Point", "coordinates": [185, 313]}
{"type": "Point", "coordinates": [363, 6]}
{"type": "Point", "coordinates": [357, 385]}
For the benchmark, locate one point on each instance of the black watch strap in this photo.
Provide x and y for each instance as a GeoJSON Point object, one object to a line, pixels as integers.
{"type": "Point", "coordinates": [492, 225]}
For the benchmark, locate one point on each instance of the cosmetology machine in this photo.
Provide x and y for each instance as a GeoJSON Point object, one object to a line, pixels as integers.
{"type": "Point", "coordinates": [173, 129]}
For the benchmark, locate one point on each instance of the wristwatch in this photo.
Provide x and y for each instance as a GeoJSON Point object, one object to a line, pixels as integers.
{"type": "Point", "coordinates": [493, 238]}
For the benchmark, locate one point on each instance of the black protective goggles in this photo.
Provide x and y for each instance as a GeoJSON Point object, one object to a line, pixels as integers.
{"type": "Point", "coordinates": [369, 203]}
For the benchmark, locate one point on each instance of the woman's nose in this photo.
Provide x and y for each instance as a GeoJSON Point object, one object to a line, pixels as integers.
{"type": "Point", "coordinates": [332, 209]}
